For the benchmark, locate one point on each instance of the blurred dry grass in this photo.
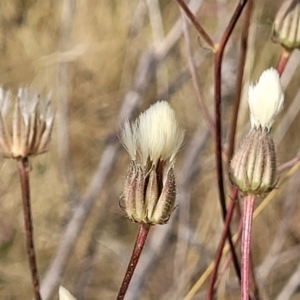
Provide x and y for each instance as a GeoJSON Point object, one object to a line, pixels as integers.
{"type": "Point", "coordinates": [101, 54]}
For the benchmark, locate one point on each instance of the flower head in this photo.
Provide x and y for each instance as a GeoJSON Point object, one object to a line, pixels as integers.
{"type": "Point", "coordinates": [265, 100]}
{"type": "Point", "coordinates": [64, 294]}
{"type": "Point", "coordinates": [286, 27]}
{"type": "Point", "coordinates": [152, 142]}
{"type": "Point", "coordinates": [27, 129]}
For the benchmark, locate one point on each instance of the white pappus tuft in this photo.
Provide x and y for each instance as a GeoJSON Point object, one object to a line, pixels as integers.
{"type": "Point", "coordinates": [265, 100]}
{"type": "Point", "coordinates": [154, 136]}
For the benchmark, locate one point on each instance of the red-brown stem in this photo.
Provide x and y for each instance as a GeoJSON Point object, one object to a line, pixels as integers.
{"type": "Point", "coordinates": [218, 121]}
{"type": "Point", "coordinates": [283, 59]}
{"type": "Point", "coordinates": [192, 68]}
{"type": "Point", "coordinates": [246, 238]}
{"type": "Point", "coordinates": [23, 169]}
{"type": "Point", "coordinates": [219, 251]}
{"type": "Point", "coordinates": [239, 78]}
{"type": "Point", "coordinates": [197, 25]}
{"type": "Point", "coordinates": [137, 250]}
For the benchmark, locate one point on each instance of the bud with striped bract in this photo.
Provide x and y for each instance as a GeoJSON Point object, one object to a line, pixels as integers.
{"type": "Point", "coordinates": [253, 167]}
{"type": "Point", "coordinates": [152, 142]}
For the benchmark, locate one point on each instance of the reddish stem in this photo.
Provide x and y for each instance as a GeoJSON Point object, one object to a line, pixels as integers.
{"type": "Point", "coordinates": [24, 180]}
{"type": "Point", "coordinates": [218, 121]}
{"type": "Point", "coordinates": [283, 59]}
{"type": "Point", "coordinates": [219, 251]}
{"type": "Point", "coordinates": [197, 25]}
{"type": "Point", "coordinates": [246, 238]}
{"type": "Point", "coordinates": [137, 250]}
{"type": "Point", "coordinates": [239, 77]}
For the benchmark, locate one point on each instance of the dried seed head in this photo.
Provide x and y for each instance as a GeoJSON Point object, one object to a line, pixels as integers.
{"type": "Point", "coordinates": [30, 130]}
{"type": "Point", "coordinates": [152, 142]}
{"type": "Point", "coordinates": [253, 167]}
{"type": "Point", "coordinates": [286, 27]}
{"type": "Point", "coordinates": [265, 100]}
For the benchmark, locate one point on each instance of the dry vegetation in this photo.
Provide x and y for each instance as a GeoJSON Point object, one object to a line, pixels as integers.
{"type": "Point", "coordinates": [95, 59]}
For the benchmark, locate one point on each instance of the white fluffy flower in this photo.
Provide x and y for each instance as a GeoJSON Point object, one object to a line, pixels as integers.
{"type": "Point", "coordinates": [154, 136]}
{"type": "Point", "coordinates": [64, 294]}
{"type": "Point", "coordinates": [265, 100]}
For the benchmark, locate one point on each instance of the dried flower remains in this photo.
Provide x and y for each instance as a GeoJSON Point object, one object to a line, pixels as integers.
{"type": "Point", "coordinates": [26, 126]}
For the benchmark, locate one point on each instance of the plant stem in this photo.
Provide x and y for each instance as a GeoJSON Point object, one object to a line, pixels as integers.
{"type": "Point", "coordinates": [239, 78]}
{"type": "Point", "coordinates": [283, 59]}
{"type": "Point", "coordinates": [24, 180]}
{"type": "Point", "coordinates": [246, 238]}
{"type": "Point", "coordinates": [219, 251]}
{"type": "Point", "coordinates": [197, 25]}
{"type": "Point", "coordinates": [137, 250]}
{"type": "Point", "coordinates": [218, 120]}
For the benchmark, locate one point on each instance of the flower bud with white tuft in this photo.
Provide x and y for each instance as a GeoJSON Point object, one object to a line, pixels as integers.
{"type": "Point", "coordinates": [152, 142]}
{"type": "Point", "coordinates": [253, 167]}
{"type": "Point", "coordinates": [286, 28]}
{"type": "Point", "coordinates": [30, 130]}
{"type": "Point", "coordinates": [265, 100]}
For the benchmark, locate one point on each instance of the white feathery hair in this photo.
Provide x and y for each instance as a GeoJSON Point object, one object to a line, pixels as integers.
{"type": "Point", "coordinates": [155, 135]}
{"type": "Point", "coordinates": [265, 99]}
{"type": "Point", "coordinates": [64, 294]}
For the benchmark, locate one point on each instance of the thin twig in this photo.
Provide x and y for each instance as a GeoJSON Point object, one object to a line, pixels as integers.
{"type": "Point", "coordinates": [197, 25]}
{"type": "Point", "coordinates": [23, 169]}
{"type": "Point", "coordinates": [222, 241]}
{"type": "Point", "coordinates": [192, 68]}
{"type": "Point", "coordinates": [218, 121]}
{"type": "Point", "coordinates": [239, 78]}
{"type": "Point", "coordinates": [137, 250]}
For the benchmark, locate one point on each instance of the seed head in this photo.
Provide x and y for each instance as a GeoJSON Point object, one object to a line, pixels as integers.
{"type": "Point", "coordinates": [152, 142]}
{"type": "Point", "coordinates": [286, 27]}
{"type": "Point", "coordinates": [25, 129]}
{"type": "Point", "coordinates": [265, 100]}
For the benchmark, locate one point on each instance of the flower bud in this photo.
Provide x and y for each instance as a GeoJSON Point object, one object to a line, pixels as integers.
{"type": "Point", "coordinates": [253, 167]}
{"type": "Point", "coordinates": [286, 28]}
{"type": "Point", "coordinates": [152, 142]}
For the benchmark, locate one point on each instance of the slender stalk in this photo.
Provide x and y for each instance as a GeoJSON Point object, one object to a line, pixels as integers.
{"type": "Point", "coordinates": [219, 251]}
{"type": "Point", "coordinates": [218, 121]}
{"type": "Point", "coordinates": [197, 25]}
{"type": "Point", "coordinates": [192, 68]}
{"type": "Point", "coordinates": [239, 78]}
{"type": "Point", "coordinates": [24, 180]}
{"type": "Point", "coordinates": [283, 59]}
{"type": "Point", "coordinates": [137, 250]}
{"type": "Point", "coordinates": [246, 238]}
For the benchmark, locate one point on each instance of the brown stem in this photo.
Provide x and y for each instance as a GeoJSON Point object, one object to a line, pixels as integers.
{"type": "Point", "coordinates": [193, 72]}
{"type": "Point", "coordinates": [239, 78]}
{"type": "Point", "coordinates": [197, 25]}
{"type": "Point", "coordinates": [137, 250]}
{"type": "Point", "coordinates": [219, 251]}
{"type": "Point", "coordinates": [283, 59]}
{"type": "Point", "coordinates": [24, 180]}
{"type": "Point", "coordinates": [246, 238]}
{"type": "Point", "coordinates": [218, 121]}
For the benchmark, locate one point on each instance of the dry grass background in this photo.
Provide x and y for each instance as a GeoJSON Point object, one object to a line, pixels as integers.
{"type": "Point", "coordinates": [89, 56]}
